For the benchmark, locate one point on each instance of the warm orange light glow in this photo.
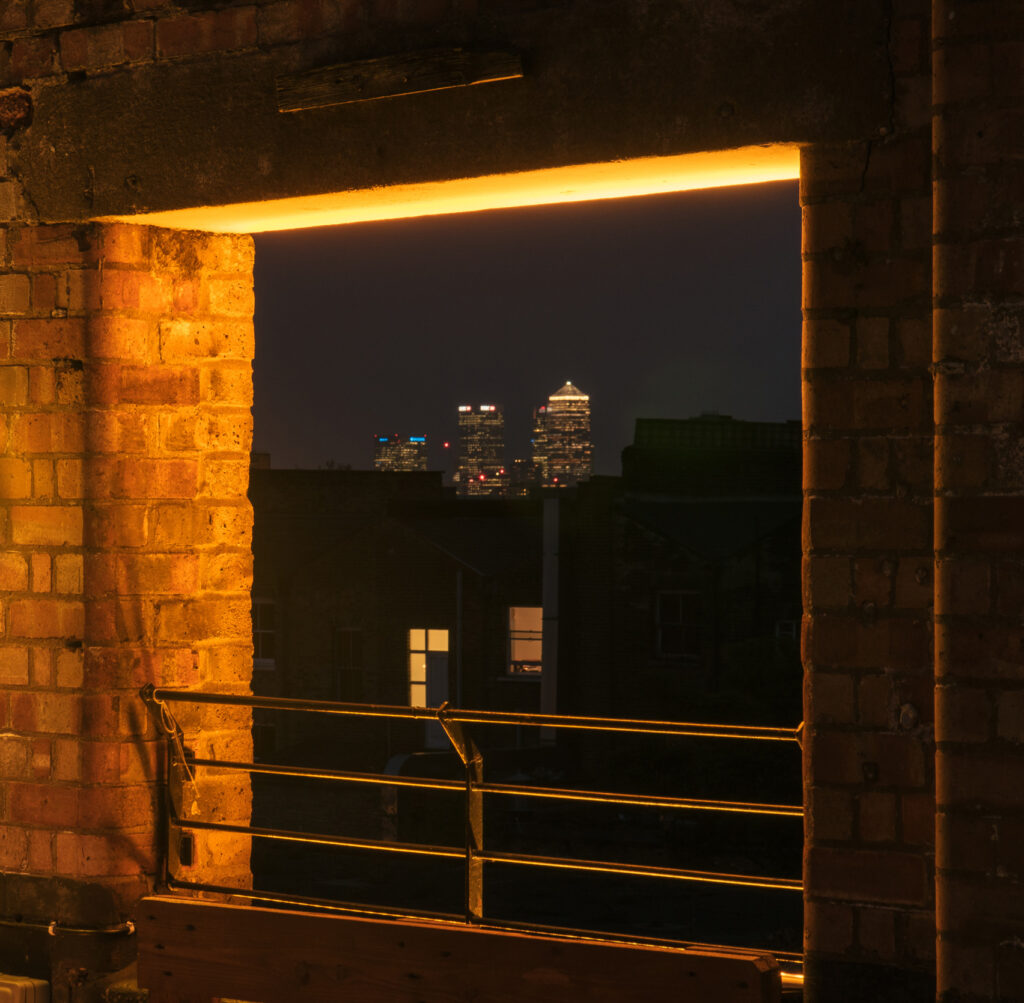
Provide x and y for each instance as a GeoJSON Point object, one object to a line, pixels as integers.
{"type": "Point", "coordinates": [576, 183]}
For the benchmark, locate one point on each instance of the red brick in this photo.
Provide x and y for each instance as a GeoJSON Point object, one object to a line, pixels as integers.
{"type": "Point", "coordinates": [963, 714]}
{"type": "Point", "coordinates": [53, 713]}
{"type": "Point", "coordinates": [13, 385]}
{"type": "Point", "coordinates": [214, 31]}
{"type": "Point", "coordinates": [57, 244]}
{"type": "Point", "coordinates": [227, 384]}
{"type": "Point", "coordinates": [13, 665]}
{"type": "Point", "coordinates": [158, 385]}
{"type": "Point", "coordinates": [826, 464]}
{"type": "Point", "coordinates": [52, 13]}
{"type": "Point", "coordinates": [868, 876]}
{"type": "Point", "coordinates": [831, 698]}
{"type": "Point", "coordinates": [13, 848]}
{"type": "Point", "coordinates": [132, 667]}
{"type": "Point", "coordinates": [876, 932]}
{"type": "Point", "coordinates": [987, 777]}
{"type": "Point", "coordinates": [47, 618]}
{"type": "Point", "coordinates": [117, 525]}
{"type": "Point", "coordinates": [15, 481]}
{"type": "Point", "coordinates": [876, 817]}
{"type": "Point", "coordinates": [853, 758]}
{"type": "Point", "coordinates": [112, 854]}
{"type": "Point", "coordinates": [107, 807]}
{"type": "Point", "coordinates": [869, 524]}
{"type": "Point", "coordinates": [141, 478]}
{"type": "Point", "coordinates": [875, 701]}
{"type": "Point", "coordinates": [826, 342]}
{"type": "Point", "coordinates": [42, 383]}
{"type": "Point", "coordinates": [137, 40]}
{"type": "Point", "coordinates": [1011, 715]}
{"type": "Point", "coordinates": [115, 337]}
{"type": "Point", "coordinates": [33, 57]}
{"type": "Point", "coordinates": [42, 577]}
{"type": "Point", "coordinates": [117, 432]}
{"type": "Point", "coordinates": [873, 581]}
{"type": "Point", "coordinates": [829, 927]}
{"type": "Point", "coordinates": [829, 814]}
{"type": "Point", "coordinates": [42, 804]}
{"type": "Point", "coordinates": [46, 525]}
{"type": "Point", "coordinates": [919, 935]}
{"type": "Point", "coordinates": [48, 339]}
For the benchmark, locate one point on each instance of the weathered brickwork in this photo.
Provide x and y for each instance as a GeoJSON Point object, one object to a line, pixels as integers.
{"type": "Point", "coordinates": [125, 556]}
{"type": "Point", "coordinates": [979, 481]}
{"type": "Point", "coordinates": [868, 542]}
{"type": "Point", "coordinates": [125, 388]}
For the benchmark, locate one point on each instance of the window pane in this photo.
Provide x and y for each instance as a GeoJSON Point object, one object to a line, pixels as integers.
{"type": "Point", "coordinates": [526, 618]}
{"type": "Point", "coordinates": [417, 640]}
{"type": "Point", "coordinates": [418, 695]}
{"type": "Point", "coordinates": [526, 650]}
{"type": "Point", "coordinates": [417, 667]}
{"type": "Point", "coordinates": [437, 640]}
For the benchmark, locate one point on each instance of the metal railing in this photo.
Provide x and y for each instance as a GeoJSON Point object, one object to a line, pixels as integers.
{"type": "Point", "coordinates": [474, 854]}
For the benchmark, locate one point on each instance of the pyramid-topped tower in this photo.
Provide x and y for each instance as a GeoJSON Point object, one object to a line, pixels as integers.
{"type": "Point", "coordinates": [563, 453]}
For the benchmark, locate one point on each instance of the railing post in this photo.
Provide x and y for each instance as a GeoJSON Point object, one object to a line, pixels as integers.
{"type": "Point", "coordinates": [473, 761]}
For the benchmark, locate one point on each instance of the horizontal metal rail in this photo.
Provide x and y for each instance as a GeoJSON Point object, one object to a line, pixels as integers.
{"type": "Point", "coordinates": [322, 839]}
{"type": "Point", "coordinates": [517, 790]}
{"type": "Point", "coordinates": [641, 800]}
{"type": "Point", "coordinates": [332, 905]}
{"type": "Point", "coordinates": [528, 860]}
{"type": "Point", "coordinates": [473, 787]}
{"type": "Point", "coordinates": [642, 871]}
{"type": "Point", "coordinates": [381, 779]}
{"type": "Point", "coordinates": [611, 724]}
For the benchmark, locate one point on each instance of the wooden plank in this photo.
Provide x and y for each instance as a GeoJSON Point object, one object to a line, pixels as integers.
{"type": "Point", "coordinates": [195, 950]}
{"type": "Point", "coordinates": [394, 76]}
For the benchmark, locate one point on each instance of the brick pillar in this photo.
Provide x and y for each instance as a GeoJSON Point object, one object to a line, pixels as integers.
{"type": "Point", "coordinates": [124, 551]}
{"type": "Point", "coordinates": [869, 923]}
{"type": "Point", "coordinates": [979, 496]}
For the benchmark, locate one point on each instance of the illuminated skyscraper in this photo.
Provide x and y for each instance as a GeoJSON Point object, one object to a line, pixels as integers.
{"type": "Point", "coordinates": [396, 452]}
{"type": "Point", "coordinates": [562, 451]}
{"type": "Point", "coordinates": [481, 469]}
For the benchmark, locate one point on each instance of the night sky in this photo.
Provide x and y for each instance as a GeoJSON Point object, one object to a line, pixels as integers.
{"type": "Point", "coordinates": [658, 307]}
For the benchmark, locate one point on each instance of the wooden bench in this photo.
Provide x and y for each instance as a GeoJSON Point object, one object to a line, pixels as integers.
{"type": "Point", "coordinates": [192, 951]}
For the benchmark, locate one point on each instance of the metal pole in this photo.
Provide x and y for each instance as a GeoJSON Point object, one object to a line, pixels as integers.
{"type": "Point", "coordinates": [473, 761]}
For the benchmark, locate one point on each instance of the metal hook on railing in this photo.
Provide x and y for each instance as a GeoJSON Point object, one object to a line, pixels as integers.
{"type": "Point", "coordinates": [169, 724]}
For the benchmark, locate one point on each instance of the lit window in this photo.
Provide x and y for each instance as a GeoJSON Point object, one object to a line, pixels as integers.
{"type": "Point", "coordinates": [525, 633]}
{"type": "Point", "coordinates": [428, 667]}
{"type": "Point", "coordinates": [264, 633]}
{"type": "Point", "coordinates": [677, 624]}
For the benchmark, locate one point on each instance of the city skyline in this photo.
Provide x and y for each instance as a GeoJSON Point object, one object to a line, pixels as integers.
{"type": "Point", "coordinates": [661, 306]}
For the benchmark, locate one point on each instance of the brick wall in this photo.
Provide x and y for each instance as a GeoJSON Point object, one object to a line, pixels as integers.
{"type": "Point", "coordinates": [125, 545]}
{"type": "Point", "coordinates": [50, 38]}
{"type": "Point", "coordinates": [979, 482]}
{"type": "Point", "coordinates": [867, 544]}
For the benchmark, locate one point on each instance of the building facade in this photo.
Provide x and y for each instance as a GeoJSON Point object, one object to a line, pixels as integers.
{"type": "Point", "coordinates": [481, 462]}
{"type": "Point", "coordinates": [563, 453]}
{"type": "Point", "coordinates": [400, 452]}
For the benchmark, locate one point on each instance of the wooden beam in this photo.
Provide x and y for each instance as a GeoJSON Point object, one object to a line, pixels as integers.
{"type": "Point", "coordinates": [195, 950]}
{"type": "Point", "coordinates": [394, 76]}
